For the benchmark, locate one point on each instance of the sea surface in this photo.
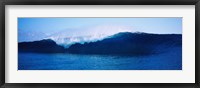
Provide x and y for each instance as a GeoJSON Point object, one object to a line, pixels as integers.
{"type": "Point", "coordinates": [63, 61]}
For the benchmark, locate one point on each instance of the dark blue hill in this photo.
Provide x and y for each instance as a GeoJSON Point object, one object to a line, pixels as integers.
{"type": "Point", "coordinates": [43, 46]}
{"type": "Point", "coordinates": [127, 43]}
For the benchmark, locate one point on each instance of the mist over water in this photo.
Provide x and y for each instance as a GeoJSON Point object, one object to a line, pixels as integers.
{"type": "Point", "coordinates": [91, 34]}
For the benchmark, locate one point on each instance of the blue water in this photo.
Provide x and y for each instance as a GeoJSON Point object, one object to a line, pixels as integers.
{"type": "Point", "coordinates": [164, 61]}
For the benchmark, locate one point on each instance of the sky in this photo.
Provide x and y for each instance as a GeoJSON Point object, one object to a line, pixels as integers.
{"type": "Point", "coordinates": [31, 29]}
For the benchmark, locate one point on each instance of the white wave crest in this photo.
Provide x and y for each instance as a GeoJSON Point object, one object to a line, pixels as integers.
{"type": "Point", "coordinates": [68, 41]}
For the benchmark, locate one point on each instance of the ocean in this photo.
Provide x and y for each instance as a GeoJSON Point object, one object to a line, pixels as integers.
{"type": "Point", "coordinates": [64, 61]}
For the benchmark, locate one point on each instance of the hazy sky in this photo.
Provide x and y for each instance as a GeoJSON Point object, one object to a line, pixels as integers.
{"type": "Point", "coordinates": [30, 29]}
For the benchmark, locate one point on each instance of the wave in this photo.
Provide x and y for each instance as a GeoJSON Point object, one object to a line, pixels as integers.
{"type": "Point", "coordinates": [130, 44]}
{"type": "Point", "coordinates": [123, 43]}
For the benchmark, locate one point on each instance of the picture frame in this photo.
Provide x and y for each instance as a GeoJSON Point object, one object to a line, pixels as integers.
{"type": "Point", "coordinates": [99, 2]}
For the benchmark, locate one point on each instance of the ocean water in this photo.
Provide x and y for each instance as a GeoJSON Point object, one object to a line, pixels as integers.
{"type": "Point", "coordinates": [171, 60]}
